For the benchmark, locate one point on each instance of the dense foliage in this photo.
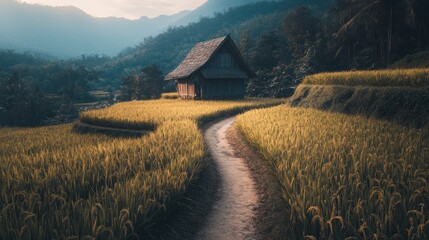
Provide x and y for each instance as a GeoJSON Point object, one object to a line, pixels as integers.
{"type": "Point", "coordinates": [256, 28]}
{"type": "Point", "coordinates": [21, 103]}
{"type": "Point", "coordinates": [284, 43]}
{"type": "Point", "coordinates": [33, 88]}
{"type": "Point", "coordinates": [344, 177]}
{"type": "Point", "coordinates": [147, 85]}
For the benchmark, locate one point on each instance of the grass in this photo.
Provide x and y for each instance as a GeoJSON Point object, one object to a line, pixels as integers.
{"type": "Point", "coordinates": [416, 60]}
{"type": "Point", "coordinates": [415, 78]}
{"type": "Point", "coordinates": [345, 176]}
{"type": "Point", "coordinates": [147, 115]}
{"type": "Point", "coordinates": [170, 95]}
{"type": "Point", "coordinates": [56, 184]}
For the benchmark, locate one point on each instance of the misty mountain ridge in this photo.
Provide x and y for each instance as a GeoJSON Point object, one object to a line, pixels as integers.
{"type": "Point", "coordinates": [67, 32]}
{"type": "Point", "coordinates": [211, 7]}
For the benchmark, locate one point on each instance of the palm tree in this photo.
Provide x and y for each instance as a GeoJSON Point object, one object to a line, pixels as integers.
{"type": "Point", "coordinates": [375, 14]}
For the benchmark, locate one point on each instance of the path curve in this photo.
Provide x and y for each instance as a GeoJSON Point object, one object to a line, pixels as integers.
{"type": "Point", "coordinates": [233, 213]}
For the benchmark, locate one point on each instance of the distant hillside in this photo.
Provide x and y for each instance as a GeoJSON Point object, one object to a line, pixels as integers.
{"type": "Point", "coordinates": [69, 32]}
{"type": "Point", "coordinates": [212, 6]}
{"type": "Point", "coordinates": [170, 47]}
{"type": "Point", "coordinates": [166, 49]}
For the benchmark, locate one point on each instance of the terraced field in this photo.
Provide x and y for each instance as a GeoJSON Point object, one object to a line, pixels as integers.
{"type": "Point", "coordinates": [147, 115]}
{"type": "Point", "coordinates": [415, 78]}
{"type": "Point", "coordinates": [345, 176]}
{"type": "Point", "coordinates": [58, 184]}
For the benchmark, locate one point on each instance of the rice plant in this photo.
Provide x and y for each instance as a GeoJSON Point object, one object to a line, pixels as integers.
{"type": "Point", "coordinates": [345, 176]}
{"type": "Point", "coordinates": [170, 95]}
{"type": "Point", "coordinates": [146, 115]}
{"type": "Point", "coordinates": [56, 184]}
{"type": "Point", "coordinates": [416, 78]}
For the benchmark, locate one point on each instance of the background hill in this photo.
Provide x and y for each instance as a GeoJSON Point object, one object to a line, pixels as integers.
{"type": "Point", "coordinates": [211, 7]}
{"type": "Point", "coordinates": [66, 32]}
{"type": "Point", "coordinates": [69, 32]}
{"type": "Point", "coordinates": [169, 48]}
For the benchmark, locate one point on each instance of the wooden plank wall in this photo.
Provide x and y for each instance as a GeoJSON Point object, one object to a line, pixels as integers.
{"type": "Point", "coordinates": [223, 60]}
{"type": "Point", "coordinates": [223, 88]}
{"type": "Point", "coordinates": [186, 89]}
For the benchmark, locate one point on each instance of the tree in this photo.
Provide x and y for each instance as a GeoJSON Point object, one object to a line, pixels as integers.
{"type": "Point", "coordinates": [420, 22]}
{"type": "Point", "coordinates": [277, 82]}
{"type": "Point", "coordinates": [76, 81]}
{"type": "Point", "coordinates": [22, 103]}
{"type": "Point", "coordinates": [266, 52]}
{"type": "Point", "coordinates": [129, 86]}
{"type": "Point", "coordinates": [244, 44]}
{"type": "Point", "coordinates": [302, 31]}
{"type": "Point", "coordinates": [151, 82]}
{"type": "Point", "coordinates": [378, 24]}
{"type": "Point", "coordinates": [147, 85]}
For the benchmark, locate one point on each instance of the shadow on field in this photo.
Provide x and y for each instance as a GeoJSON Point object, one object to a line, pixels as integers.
{"type": "Point", "coordinates": [272, 212]}
{"type": "Point", "coordinates": [189, 212]}
{"type": "Point", "coordinates": [84, 128]}
{"type": "Point", "coordinates": [405, 106]}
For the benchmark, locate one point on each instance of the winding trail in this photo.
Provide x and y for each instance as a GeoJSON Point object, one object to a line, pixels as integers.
{"type": "Point", "coordinates": [234, 211]}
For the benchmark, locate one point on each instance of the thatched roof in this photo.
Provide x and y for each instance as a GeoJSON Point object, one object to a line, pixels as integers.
{"type": "Point", "coordinates": [201, 54]}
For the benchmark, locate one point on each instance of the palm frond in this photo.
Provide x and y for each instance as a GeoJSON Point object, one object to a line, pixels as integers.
{"type": "Point", "coordinates": [352, 21]}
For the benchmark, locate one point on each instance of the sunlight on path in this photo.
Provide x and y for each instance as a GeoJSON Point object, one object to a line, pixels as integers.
{"type": "Point", "coordinates": [232, 215]}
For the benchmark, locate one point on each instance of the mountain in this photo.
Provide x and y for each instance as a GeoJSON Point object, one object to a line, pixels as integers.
{"type": "Point", "coordinates": [211, 7]}
{"type": "Point", "coordinates": [69, 32]}
{"type": "Point", "coordinates": [169, 48]}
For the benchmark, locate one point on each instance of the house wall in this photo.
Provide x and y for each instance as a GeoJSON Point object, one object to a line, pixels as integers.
{"type": "Point", "coordinates": [225, 78]}
{"type": "Point", "coordinates": [222, 88]}
{"type": "Point", "coordinates": [186, 88]}
{"type": "Point", "coordinates": [223, 59]}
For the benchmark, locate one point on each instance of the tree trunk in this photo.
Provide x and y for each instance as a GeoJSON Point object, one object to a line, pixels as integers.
{"type": "Point", "coordinates": [349, 52]}
{"type": "Point", "coordinates": [389, 34]}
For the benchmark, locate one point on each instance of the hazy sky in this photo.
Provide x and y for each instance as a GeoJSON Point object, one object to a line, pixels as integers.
{"type": "Point", "coordinates": [131, 9]}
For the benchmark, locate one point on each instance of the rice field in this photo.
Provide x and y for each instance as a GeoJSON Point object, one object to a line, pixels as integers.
{"type": "Point", "coordinates": [56, 184]}
{"type": "Point", "coordinates": [415, 78]}
{"type": "Point", "coordinates": [146, 115]}
{"type": "Point", "coordinates": [170, 95]}
{"type": "Point", "coordinates": [345, 177]}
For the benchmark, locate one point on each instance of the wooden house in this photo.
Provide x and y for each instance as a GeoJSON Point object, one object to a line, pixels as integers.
{"type": "Point", "coordinates": [213, 69]}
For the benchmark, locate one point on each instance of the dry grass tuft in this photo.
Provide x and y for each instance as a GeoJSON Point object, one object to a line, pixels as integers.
{"type": "Point", "coordinates": [415, 78]}
{"type": "Point", "coordinates": [170, 95]}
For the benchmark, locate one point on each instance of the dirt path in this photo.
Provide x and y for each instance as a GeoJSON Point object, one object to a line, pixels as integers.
{"type": "Point", "coordinates": [233, 213]}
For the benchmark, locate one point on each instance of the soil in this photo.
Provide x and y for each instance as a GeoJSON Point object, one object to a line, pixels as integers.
{"type": "Point", "coordinates": [405, 106]}
{"type": "Point", "coordinates": [233, 214]}
{"type": "Point", "coordinates": [237, 196]}
{"type": "Point", "coordinates": [187, 216]}
{"type": "Point", "coordinates": [272, 212]}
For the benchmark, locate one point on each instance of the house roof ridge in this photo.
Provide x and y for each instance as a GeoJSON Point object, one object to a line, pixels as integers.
{"type": "Point", "coordinates": [200, 54]}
